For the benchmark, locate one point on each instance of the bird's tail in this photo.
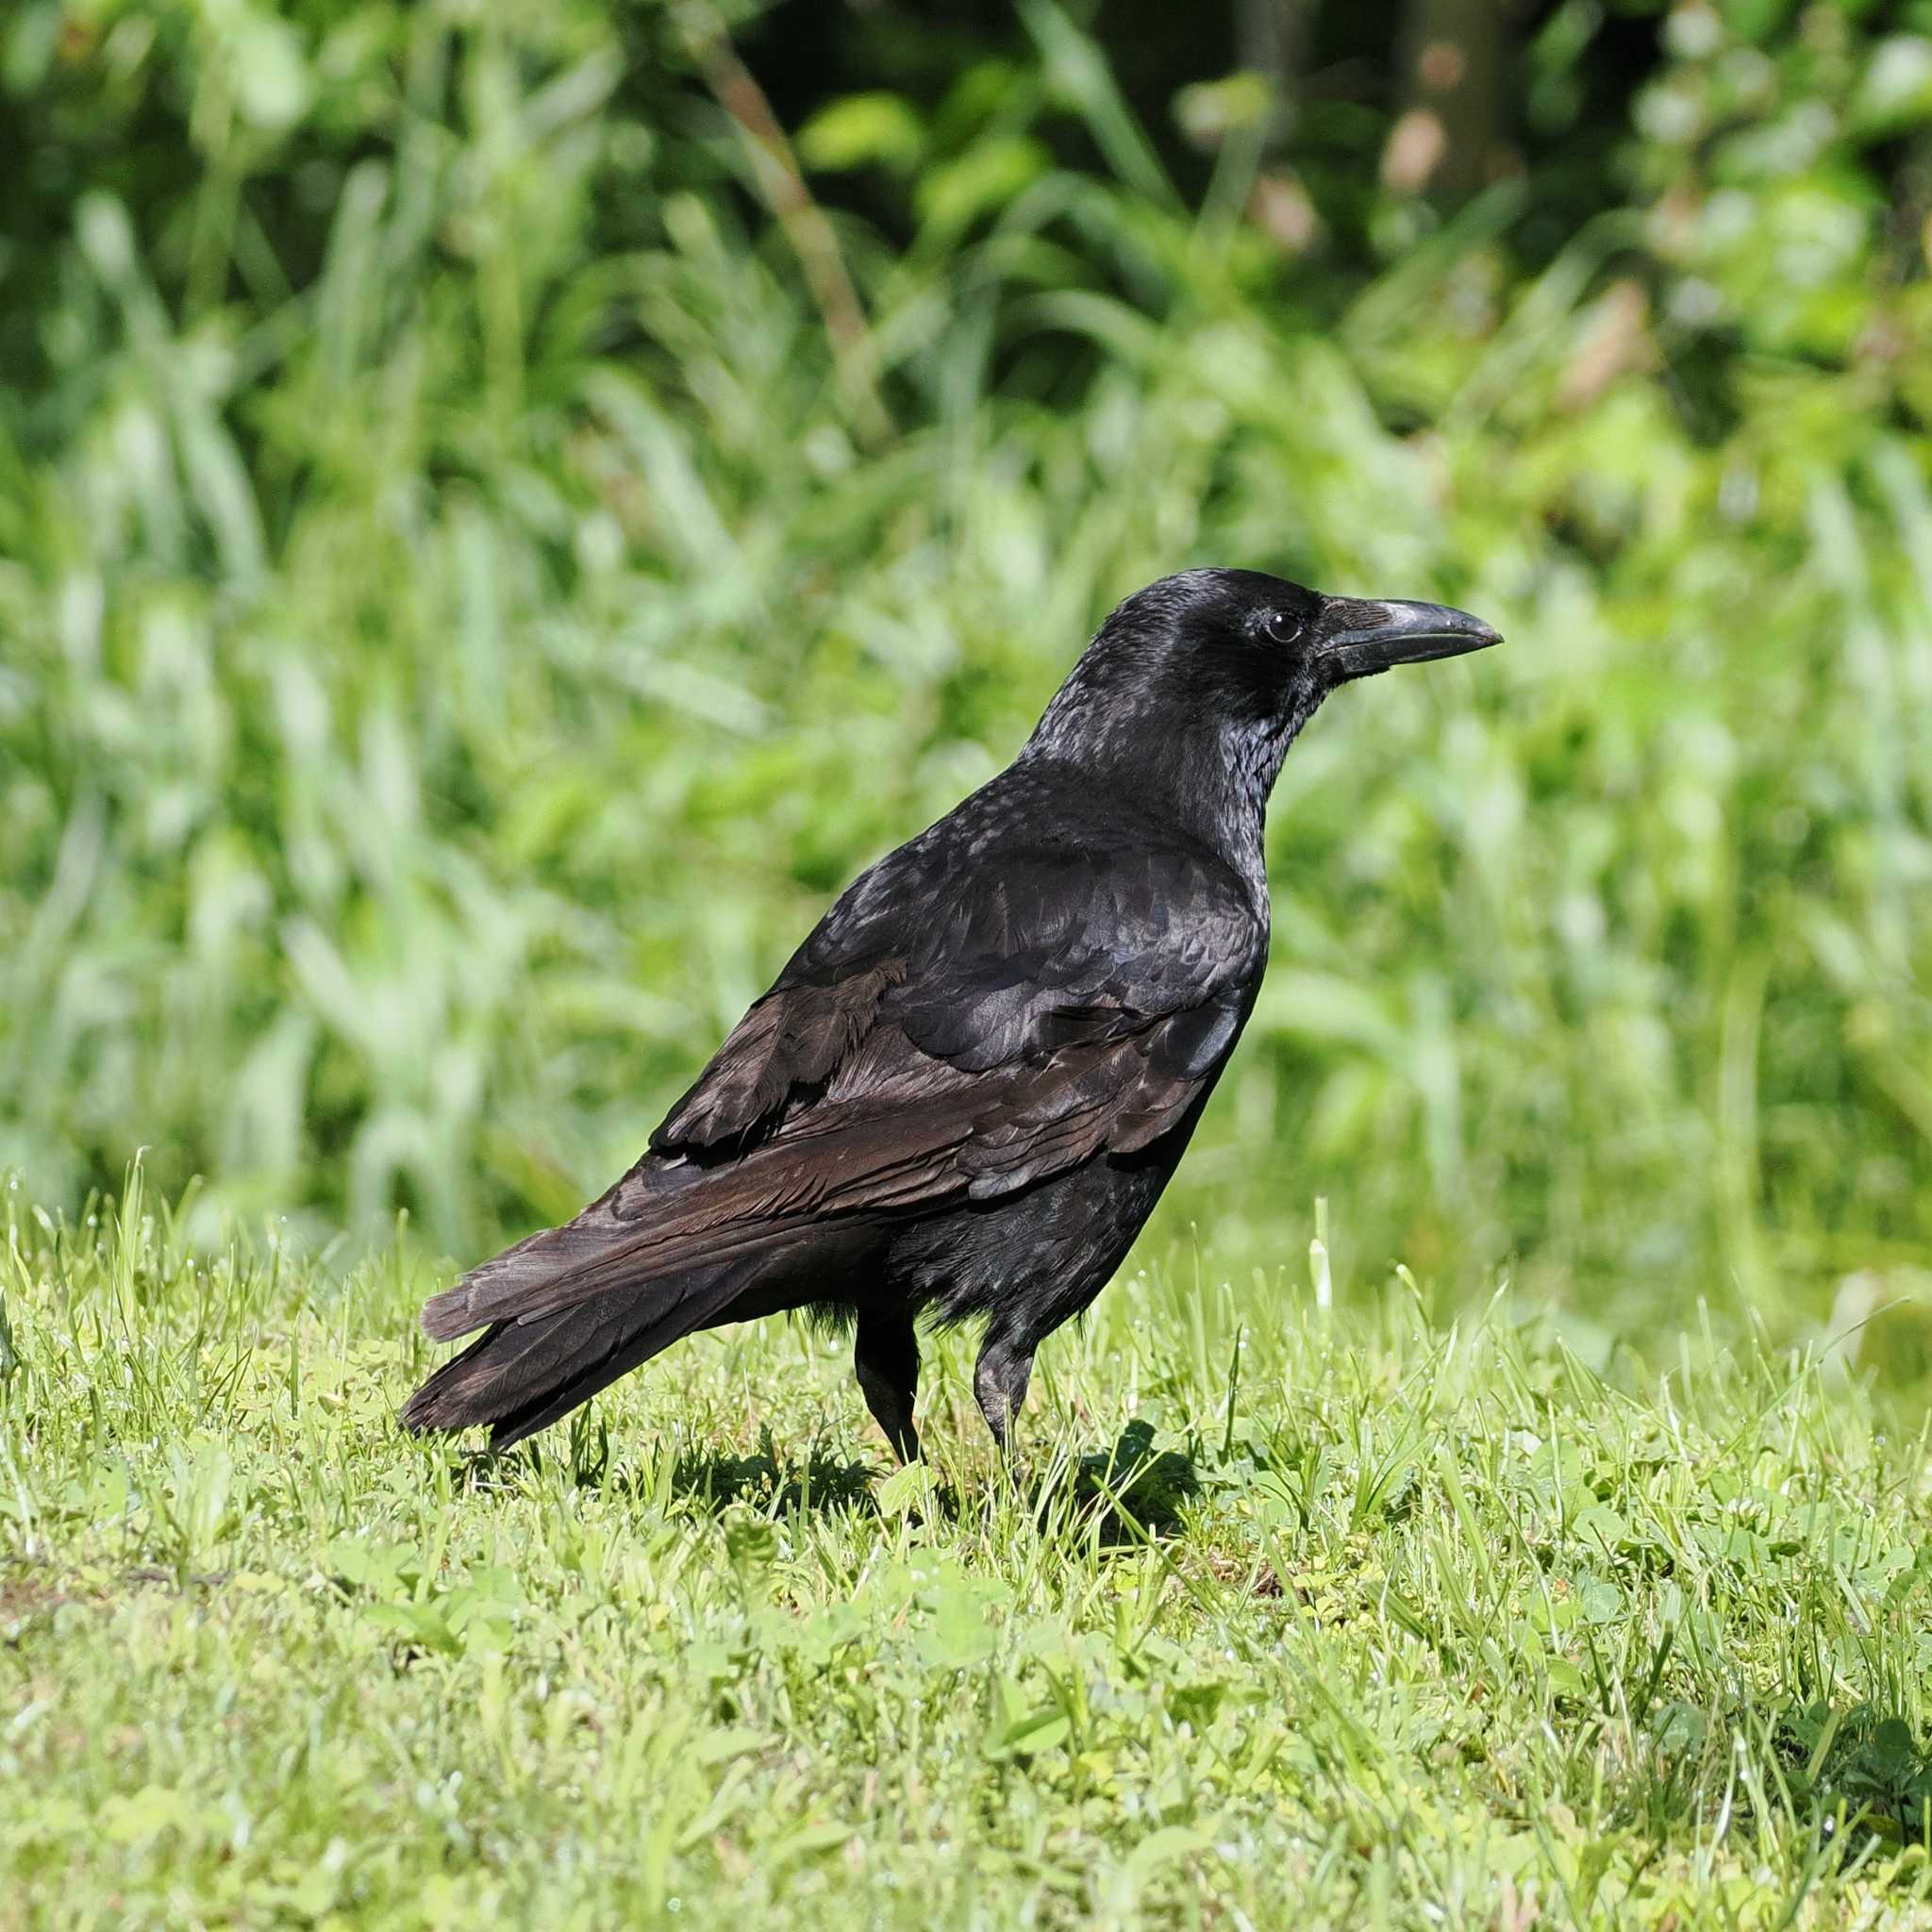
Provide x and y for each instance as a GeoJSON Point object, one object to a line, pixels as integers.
{"type": "Point", "coordinates": [519, 1376]}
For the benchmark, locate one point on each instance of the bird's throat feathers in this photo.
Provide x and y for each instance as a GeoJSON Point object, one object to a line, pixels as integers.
{"type": "Point", "coordinates": [1182, 725]}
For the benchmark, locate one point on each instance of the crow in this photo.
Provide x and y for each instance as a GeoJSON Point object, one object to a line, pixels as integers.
{"type": "Point", "coordinates": [966, 1091]}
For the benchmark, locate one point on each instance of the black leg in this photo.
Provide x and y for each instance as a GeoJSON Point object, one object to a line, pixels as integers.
{"type": "Point", "coordinates": [885, 1355]}
{"type": "Point", "coordinates": [999, 1380]}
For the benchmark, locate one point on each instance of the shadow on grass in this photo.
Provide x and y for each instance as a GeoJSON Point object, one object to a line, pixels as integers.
{"type": "Point", "coordinates": [776, 1487]}
{"type": "Point", "coordinates": [1851, 1781]}
{"type": "Point", "coordinates": [1862, 1765]}
{"type": "Point", "coordinates": [765, 1482]}
{"type": "Point", "coordinates": [1132, 1491]}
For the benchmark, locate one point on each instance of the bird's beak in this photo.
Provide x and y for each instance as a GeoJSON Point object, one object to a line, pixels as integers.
{"type": "Point", "coordinates": [1360, 636]}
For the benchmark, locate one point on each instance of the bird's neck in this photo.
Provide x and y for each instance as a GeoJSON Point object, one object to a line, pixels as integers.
{"type": "Point", "coordinates": [1217, 787]}
{"type": "Point", "coordinates": [1208, 779]}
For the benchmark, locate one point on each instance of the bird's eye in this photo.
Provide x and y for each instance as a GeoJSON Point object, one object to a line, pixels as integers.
{"type": "Point", "coordinates": [1281, 628]}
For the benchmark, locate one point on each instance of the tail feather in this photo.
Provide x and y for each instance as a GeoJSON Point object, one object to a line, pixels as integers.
{"type": "Point", "coordinates": [522, 1376]}
{"type": "Point", "coordinates": [566, 1312]}
{"type": "Point", "coordinates": [551, 1255]}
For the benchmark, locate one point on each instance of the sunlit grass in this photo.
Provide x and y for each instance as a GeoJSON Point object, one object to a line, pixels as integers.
{"type": "Point", "coordinates": [1339, 1617]}
{"type": "Point", "coordinates": [459, 623]}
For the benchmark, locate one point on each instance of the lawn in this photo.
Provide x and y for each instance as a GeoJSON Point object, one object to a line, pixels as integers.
{"type": "Point", "coordinates": [1334, 1615]}
{"type": "Point", "coordinates": [505, 510]}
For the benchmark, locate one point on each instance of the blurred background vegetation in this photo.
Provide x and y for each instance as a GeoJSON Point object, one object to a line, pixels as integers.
{"type": "Point", "coordinates": [504, 508]}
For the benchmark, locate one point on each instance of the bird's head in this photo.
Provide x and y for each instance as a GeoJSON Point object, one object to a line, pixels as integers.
{"type": "Point", "coordinates": [1230, 664]}
{"type": "Point", "coordinates": [1260, 644]}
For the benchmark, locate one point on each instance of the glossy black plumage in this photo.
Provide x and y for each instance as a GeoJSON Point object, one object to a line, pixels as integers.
{"type": "Point", "coordinates": [966, 1091]}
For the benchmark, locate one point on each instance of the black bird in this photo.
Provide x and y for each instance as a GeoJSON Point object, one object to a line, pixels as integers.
{"type": "Point", "coordinates": [968, 1087]}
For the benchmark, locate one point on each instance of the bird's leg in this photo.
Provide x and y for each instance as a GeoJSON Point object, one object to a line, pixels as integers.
{"type": "Point", "coordinates": [885, 1357]}
{"type": "Point", "coordinates": [999, 1380]}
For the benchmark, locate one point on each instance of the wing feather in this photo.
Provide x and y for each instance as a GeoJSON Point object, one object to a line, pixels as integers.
{"type": "Point", "coordinates": [965, 1021]}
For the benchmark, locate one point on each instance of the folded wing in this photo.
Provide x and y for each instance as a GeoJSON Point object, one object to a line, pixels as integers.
{"type": "Point", "coordinates": [947, 1031]}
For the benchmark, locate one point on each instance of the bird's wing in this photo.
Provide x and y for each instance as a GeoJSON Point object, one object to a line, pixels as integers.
{"type": "Point", "coordinates": [981, 958]}
{"type": "Point", "coordinates": [947, 1031]}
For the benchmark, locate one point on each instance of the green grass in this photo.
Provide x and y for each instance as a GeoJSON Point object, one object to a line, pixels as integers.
{"type": "Point", "coordinates": [1330, 1618]}
{"type": "Point", "coordinates": [464, 612]}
